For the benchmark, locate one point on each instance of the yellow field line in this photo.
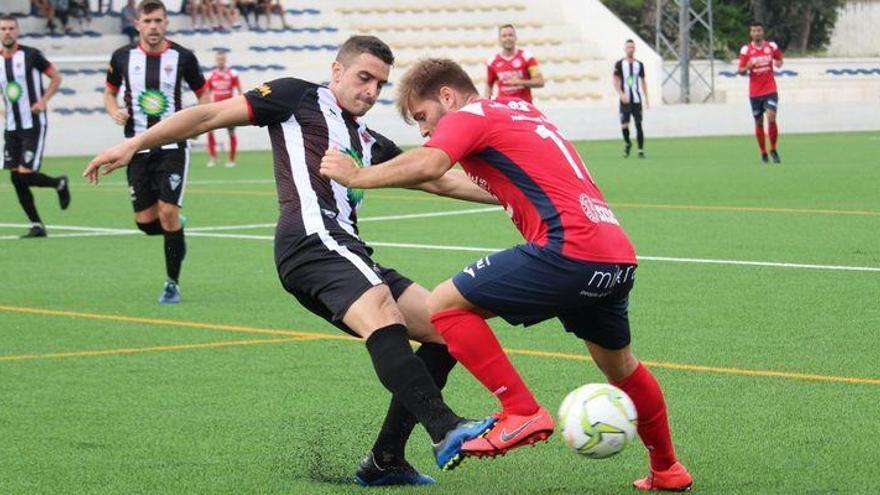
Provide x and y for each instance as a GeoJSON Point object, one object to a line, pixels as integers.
{"type": "Point", "coordinates": [522, 352]}
{"type": "Point", "coordinates": [170, 323]}
{"type": "Point", "coordinates": [711, 369]}
{"type": "Point", "coordinates": [160, 348]}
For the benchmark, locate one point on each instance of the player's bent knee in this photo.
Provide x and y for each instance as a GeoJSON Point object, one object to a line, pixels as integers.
{"type": "Point", "coordinates": [150, 228]}
{"type": "Point", "coordinates": [615, 364]}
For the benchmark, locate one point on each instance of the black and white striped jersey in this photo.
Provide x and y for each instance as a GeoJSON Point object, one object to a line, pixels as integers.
{"type": "Point", "coordinates": [151, 84]}
{"type": "Point", "coordinates": [629, 72]}
{"type": "Point", "coordinates": [304, 120]}
{"type": "Point", "coordinates": [21, 79]}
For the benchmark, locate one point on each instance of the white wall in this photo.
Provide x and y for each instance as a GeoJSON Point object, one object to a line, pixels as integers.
{"type": "Point", "coordinates": [606, 35]}
{"type": "Point", "coordinates": [855, 33]}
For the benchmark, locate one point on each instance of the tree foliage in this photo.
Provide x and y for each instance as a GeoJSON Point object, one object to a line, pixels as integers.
{"type": "Point", "coordinates": [797, 25]}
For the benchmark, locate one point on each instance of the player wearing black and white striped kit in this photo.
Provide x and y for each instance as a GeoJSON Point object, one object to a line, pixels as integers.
{"type": "Point", "coordinates": [629, 82]}
{"type": "Point", "coordinates": [322, 260]}
{"type": "Point", "coordinates": [21, 82]}
{"type": "Point", "coordinates": [150, 75]}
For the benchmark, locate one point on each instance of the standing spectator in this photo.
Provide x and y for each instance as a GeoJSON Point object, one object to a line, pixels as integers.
{"type": "Point", "coordinates": [129, 13]}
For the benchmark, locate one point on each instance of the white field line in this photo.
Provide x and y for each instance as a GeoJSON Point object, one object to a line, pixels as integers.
{"type": "Point", "coordinates": [438, 247]}
{"type": "Point", "coordinates": [360, 220]}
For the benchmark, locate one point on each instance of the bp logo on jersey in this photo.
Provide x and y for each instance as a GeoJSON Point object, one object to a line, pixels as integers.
{"type": "Point", "coordinates": [630, 81]}
{"type": "Point", "coordinates": [153, 103]}
{"type": "Point", "coordinates": [355, 196]}
{"type": "Point", "coordinates": [13, 91]}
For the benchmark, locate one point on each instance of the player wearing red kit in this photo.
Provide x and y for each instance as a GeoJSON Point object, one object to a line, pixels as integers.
{"type": "Point", "coordinates": [758, 59]}
{"type": "Point", "coordinates": [515, 71]}
{"type": "Point", "coordinates": [577, 263]}
{"type": "Point", "coordinates": [222, 82]}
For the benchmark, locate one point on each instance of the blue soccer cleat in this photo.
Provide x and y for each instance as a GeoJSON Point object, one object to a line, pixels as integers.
{"type": "Point", "coordinates": [448, 451]}
{"type": "Point", "coordinates": [400, 473]}
{"type": "Point", "coordinates": [170, 293]}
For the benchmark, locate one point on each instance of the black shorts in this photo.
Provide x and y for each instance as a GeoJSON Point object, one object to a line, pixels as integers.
{"type": "Point", "coordinates": [24, 148]}
{"type": "Point", "coordinates": [761, 104]}
{"type": "Point", "coordinates": [157, 175]}
{"type": "Point", "coordinates": [329, 272]}
{"type": "Point", "coordinates": [628, 110]}
{"type": "Point", "coordinates": [528, 284]}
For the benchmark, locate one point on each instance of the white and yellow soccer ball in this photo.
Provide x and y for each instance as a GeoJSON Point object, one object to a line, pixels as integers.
{"type": "Point", "coordinates": [598, 420]}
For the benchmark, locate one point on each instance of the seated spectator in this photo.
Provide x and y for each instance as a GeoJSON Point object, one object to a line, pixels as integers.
{"type": "Point", "coordinates": [79, 10]}
{"type": "Point", "coordinates": [246, 8]}
{"type": "Point", "coordinates": [44, 8]}
{"type": "Point", "coordinates": [62, 9]}
{"type": "Point", "coordinates": [269, 7]}
{"type": "Point", "coordinates": [129, 13]}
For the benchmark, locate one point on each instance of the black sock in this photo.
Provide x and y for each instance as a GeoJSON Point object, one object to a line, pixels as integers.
{"type": "Point", "coordinates": [408, 380]}
{"type": "Point", "coordinates": [640, 136]}
{"type": "Point", "coordinates": [152, 228]}
{"type": "Point", "coordinates": [390, 445]}
{"type": "Point", "coordinates": [25, 198]}
{"type": "Point", "coordinates": [626, 136]}
{"type": "Point", "coordinates": [38, 179]}
{"type": "Point", "coordinates": [175, 251]}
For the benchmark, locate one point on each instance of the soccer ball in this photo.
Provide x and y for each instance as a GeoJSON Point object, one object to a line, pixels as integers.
{"type": "Point", "coordinates": [598, 420]}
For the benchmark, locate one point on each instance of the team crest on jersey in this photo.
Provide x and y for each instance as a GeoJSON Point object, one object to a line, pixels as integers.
{"type": "Point", "coordinates": [517, 63]}
{"type": "Point", "coordinates": [13, 91]}
{"type": "Point", "coordinates": [767, 50]}
{"type": "Point", "coordinates": [366, 137]}
{"type": "Point", "coordinates": [174, 181]}
{"type": "Point", "coordinates": [168, 69]}
{"type": "Point", "coordinates": [153, 103]}
{"type": "Point", "coordinates": [589, 208]}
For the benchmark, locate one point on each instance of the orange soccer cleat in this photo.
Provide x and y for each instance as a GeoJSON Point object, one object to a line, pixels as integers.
{"type": "Point", "coordinates": [510, 432]}
{"type": "Point", "coordinates": [675, 479]}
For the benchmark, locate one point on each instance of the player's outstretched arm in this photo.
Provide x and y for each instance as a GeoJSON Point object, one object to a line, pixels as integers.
{"type": "Point", "coordinates": [179, 127]}
{"type": "Point", "coordinates": [408, 169]}
{"type": "Point", "coordinates": [456, 184]}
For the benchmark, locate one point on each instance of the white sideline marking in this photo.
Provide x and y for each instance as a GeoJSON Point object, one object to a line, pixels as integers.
{"type": "Point", "coordinates": [430, 215]}
{"type": "Point", "coordinates": [100, 231]}
{"type": "Point", "coordinates": [360, 220]}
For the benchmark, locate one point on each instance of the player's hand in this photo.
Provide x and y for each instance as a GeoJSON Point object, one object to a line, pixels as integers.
{"type": "Point", "coordinates": [121, 116]}
{"type": "Point", "coordinates": [108, 161]}
{"type": "Point", "coordinates": [338, 166]}
{"type": "Point", "coordinates": [39, 106]}
{"type": "Point", "coordinates": [624, 98]}
{"type": "Point", "coordinates": [515, 82]}
{"type": "Point", "coordinates": [749, 65]}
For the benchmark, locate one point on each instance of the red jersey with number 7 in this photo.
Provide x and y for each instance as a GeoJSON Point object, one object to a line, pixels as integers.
{"type": "Point", "coordinates": [761, 80]}
{"type": "Point", "coordinates": [512, 151]}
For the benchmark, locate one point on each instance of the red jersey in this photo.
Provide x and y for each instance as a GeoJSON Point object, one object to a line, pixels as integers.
{"type": "Point", "coordinates": [501, 69]}
{"type": "Point", "coordinates": [222, 83]}
{"type": "Point", "coordinates": [761, 80]}
{"type": "Point", "coordinates": [512, 151]}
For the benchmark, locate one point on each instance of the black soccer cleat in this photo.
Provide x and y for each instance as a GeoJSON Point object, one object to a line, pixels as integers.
{"type": "Point", "coordinates": [35, 231]}
{"type": "Point", "coordinates": [775, 156]}
{"type": "Point", "coordinates": [398, 473]}
{"type": "Point", "coordinates": [626, 149]}
{"type": "Point", "coordinates": [64, 192]}
{"type": "Point", "coordinates": [765, 158]}
{"type": "Point", "coordinates": [641, 153]}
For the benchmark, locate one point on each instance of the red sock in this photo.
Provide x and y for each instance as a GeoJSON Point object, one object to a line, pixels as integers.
{"type": "Point", "coordinates": [653, 426]}
{"type": "Point", "coordinates": [472, 343]}
{"type": "Point", "coordinates": [212, 146]}
{"type": "Point", "coordinates": [233, 145]}
{"type": "Point", "coordinates": [774, 134]}
{"type": "Point", "coordinates": [759, 135]}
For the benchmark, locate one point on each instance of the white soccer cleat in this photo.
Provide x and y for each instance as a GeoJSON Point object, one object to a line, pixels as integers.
{"type": "Point", "coordinates": [230, 164]}
{"type": "Point", "coordinates": [211, 163]}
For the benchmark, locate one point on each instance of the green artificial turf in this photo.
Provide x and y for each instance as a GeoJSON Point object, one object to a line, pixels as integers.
{"type": "Point", "coordinates": [162, 415]}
